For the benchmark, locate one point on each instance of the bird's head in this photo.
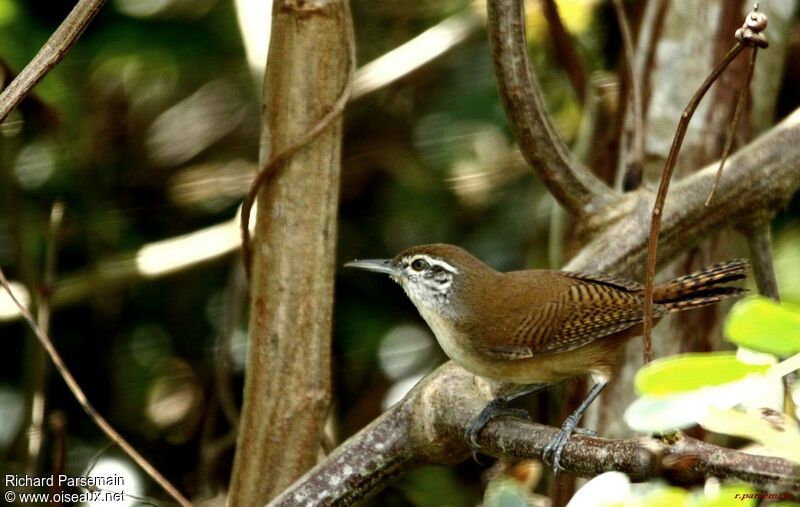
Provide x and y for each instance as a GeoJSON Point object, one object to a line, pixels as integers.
{"type": "Point", "coordinates": [435, 277]}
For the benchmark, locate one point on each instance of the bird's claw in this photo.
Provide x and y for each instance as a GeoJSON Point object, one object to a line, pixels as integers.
{"type": "Point", "coordinates": [472, 440]}
{"type": "Point", "coordinates": [551, 455]}
{"type": "Point", "coordinates": [489, 412]}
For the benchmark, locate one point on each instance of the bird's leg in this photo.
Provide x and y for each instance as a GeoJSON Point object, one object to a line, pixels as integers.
{"type": "Point", "coordinates": [496, 408]}
{"type": "Point", "coordinates": [552, 452]}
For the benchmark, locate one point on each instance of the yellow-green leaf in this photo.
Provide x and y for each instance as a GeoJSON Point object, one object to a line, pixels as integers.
{"type": "Point", "coordinates": [687, 372]}
{"type": "Point", "coordinates": [667, 496]}
{"type": "Point", "coordinates": [764, 325]}
{"type": "Point", "coordinates": [739, 493]}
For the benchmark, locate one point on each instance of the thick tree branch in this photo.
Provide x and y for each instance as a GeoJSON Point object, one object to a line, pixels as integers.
{"type": "Point", "coordinates": [570, 183]}
{"type": "Point", "coordinates": [427, 427]}
{"type": "Point", "coordinates": [51, 53]}
{"type": "Point", "coordinates": [762, 176]}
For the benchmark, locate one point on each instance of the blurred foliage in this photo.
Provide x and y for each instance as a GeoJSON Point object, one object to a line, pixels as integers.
{"type": "Point", "coordinates": [728, 392]}
{"type": "Point", "coordinates": [614, 489]}
{"type": "Point", "coordinates": [761, 324]}
{"type": "Point", "coordinates": [149, 129]}
{"type": "Point", "coordinates": [677, 374]}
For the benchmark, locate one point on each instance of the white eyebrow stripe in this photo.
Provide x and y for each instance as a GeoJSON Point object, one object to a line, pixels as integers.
{"type": "Point", "coordinates": [434, 262]}
{"type": "Point", "coordinates": [444, 265]}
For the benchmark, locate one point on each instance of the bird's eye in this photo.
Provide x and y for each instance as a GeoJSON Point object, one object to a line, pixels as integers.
{"type": "Point", "coordinates": [419, 265]}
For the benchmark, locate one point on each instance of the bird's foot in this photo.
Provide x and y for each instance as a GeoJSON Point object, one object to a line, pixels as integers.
{"type": "Point", "coordinates": [552, 451]}
{"type": "Point", "coordinates": [492, 410]}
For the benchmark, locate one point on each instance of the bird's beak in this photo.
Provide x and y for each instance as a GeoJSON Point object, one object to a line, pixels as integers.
{"type": "Point", "coordinates": [377, 265]}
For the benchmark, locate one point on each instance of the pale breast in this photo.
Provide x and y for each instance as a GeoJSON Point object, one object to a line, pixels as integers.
{"type": "Point", "coordinates": [455, 348]}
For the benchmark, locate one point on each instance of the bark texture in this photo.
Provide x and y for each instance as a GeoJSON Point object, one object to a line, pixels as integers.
{"type": "Point", "coordinates": [287, 385]}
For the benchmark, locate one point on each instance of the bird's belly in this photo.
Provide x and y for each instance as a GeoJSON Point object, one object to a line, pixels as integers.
{"type": "Point", "coordinates": [599, 358]}
{"type": "Point", "coordinates": [596, 358]}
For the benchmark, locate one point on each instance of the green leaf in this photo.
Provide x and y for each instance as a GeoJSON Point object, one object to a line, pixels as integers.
{"type": "Point", "coordinates": [764, 325]}
{"type": "Point", "coordinates": [668, 496]}
{"type": "Point", "coordinates": [738, 493]}
{"type": "Point", "coordinates": [688, 372]}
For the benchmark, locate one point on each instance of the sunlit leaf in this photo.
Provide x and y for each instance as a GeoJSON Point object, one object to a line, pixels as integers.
{"type": "Point", "coordinates": [687, 372]}
{"type": "Point", "coordinates": [762, 324]}
{"type": "Point", "coordinates": [650, 414]}
{"type": "Point", "coordinates": [669, 496]}
{"type": "Point", "coordinates": [609, 489]}
{"type": "Point", "coordinates": [776, 431]}
{"type": "Point", "coordinates": [738, 493]}
{"type": "Point", "coordinates": [678, 410]}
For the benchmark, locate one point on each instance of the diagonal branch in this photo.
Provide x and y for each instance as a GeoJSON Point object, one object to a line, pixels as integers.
{"type": "Point", "coordinates": [87, 407]}
{"type": "Point", "coordinates": [53, 51]}
{"type": "Point", "coordinates": [427, 427]}
{"type": "Point", "coordinates": [570, 182]}
{"type": "Point", "coordinates": [762, 176]}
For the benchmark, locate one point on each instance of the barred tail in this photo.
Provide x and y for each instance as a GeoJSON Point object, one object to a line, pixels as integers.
{"type": "Point", "coordinates": [703, 287]}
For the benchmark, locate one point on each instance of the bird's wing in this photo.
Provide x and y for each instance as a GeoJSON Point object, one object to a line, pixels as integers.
{"type": "Point", "coordinates": [611, 281]}
{"type": "Point", "coordinates": [578, 309]}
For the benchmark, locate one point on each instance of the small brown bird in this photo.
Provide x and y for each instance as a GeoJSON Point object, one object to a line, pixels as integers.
{"type": "Point", "coordinates": [537, 327]}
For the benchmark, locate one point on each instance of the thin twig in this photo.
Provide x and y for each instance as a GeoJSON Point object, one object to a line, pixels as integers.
{"type": "Point", "coordinates": [748, 35]}
{"type": "Point", "coordinates": [57, 424]}
{"type": "Point", "coordinates": [565, 53]}
{"type": "Point", "coordinates": [52, 52]}
{"type": "Point", "coordinates": [735, 122]}
{"type": "Point", "coordinates": [635, 164]}
{"type": "Point", "coordinates": [658, 207]}
{"type": "Point", "coordinates": [273, 166]}
{"type": "Point", "coordinates": [43, 311]}
{"type": "Point", "coordinates": [80, 396]}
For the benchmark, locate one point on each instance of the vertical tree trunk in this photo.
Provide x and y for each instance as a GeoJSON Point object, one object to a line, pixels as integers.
{"type": "Point", "coordinates": [287, 385]}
